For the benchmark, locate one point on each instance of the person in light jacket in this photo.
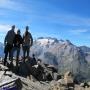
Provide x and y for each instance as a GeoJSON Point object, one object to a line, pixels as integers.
{"type": "Point", "coordinates": [27, 42]}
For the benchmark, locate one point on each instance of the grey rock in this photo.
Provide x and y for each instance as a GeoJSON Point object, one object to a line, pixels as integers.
{"type": "Point", "coordinates": [63, 54]}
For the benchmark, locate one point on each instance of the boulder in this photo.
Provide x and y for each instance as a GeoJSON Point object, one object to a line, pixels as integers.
{"type": "Point", "coordinates": [68, 78]}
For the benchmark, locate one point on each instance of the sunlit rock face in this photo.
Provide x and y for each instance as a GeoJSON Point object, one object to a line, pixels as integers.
{"type": "Point", "coordinates": [61, 53]}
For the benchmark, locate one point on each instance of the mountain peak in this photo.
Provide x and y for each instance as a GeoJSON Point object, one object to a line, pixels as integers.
{"type": "Point", "coordinates": [47, 40]}
{"type": "Point", "coordinates": [52, 41]}
{"type": "Point", "coordinates": [68, 42]}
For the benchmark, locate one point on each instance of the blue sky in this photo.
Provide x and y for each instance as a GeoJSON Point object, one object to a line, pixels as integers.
{"type": "Point", "coordinates": [63, 19]}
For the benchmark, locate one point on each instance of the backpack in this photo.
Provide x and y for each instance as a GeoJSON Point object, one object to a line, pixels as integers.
{"type": "Point", "coordinates": [27, 40]}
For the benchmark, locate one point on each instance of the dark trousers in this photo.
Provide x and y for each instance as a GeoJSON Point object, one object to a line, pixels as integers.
{"type": "Point", "coordinates": [17, 49]}
{"type": "Point", "coordinates": [26, 49]}
{"type": "Point", "coordinates": [7, 51]}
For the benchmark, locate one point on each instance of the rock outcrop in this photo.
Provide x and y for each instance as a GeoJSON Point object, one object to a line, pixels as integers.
{"type": "Point", "coordinates": [63, 55]}
{"type": "Point", "coordinates": [10, 81]}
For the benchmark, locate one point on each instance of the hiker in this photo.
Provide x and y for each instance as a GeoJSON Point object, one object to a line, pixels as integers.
{"type": "Point", "coordinates": [16, 46]}
{"type": "Point", "coordinates": [8, 43]}
{"type": "Point", "coordinates": [39, 70]}
{"type": "Point", "coordinates": [27, 42]}
{"type": "Point", "coordinates": [33, 60]}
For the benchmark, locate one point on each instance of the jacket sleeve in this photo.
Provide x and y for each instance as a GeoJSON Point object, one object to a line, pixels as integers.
{"type": "Point", "coordinates": [5, 40]}
{"type": "Point", "coordinates": [21, 40]}
{"type": "Point", "coordinates": [31, 39]}
{"type": "Point", "coordinates": [14, 40]}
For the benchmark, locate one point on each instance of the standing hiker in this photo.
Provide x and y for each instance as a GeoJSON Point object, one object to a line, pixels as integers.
{"type": "Point", "coordinates": [16, 46]}
{"type": "Point", "coordinates": [27, 42]}
{"type": "Point", "coordinates": [8, 42]}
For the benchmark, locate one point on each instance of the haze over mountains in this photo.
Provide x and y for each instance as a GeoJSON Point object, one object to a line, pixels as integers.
{"type": "Point", "coordinates": [1, 50]}
{"type": "Point", "coordinates": [63, 54]}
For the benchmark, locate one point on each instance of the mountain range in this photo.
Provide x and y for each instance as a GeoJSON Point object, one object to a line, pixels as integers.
{"type": "Point", "coordinates": [63, 55]}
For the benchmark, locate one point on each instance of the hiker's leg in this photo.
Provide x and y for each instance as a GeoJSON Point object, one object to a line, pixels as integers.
{"type": "Point", "coordinates": [5, 59]}
{"type": "Point", "coordinates": [17, 57]}
{"type": "Point", "coordinates": [24, 52]}
{"type": "Point", "coordinates": [9, 55]}
{"type": "Point", "coordinates": [28, 50]}
{"type": "Point", "coordinates": [12, 53]}
{"type": "Point", "coordinates": [6, 54]}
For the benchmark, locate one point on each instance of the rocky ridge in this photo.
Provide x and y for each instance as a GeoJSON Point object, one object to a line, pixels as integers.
{"type": "Point", "coordinates": [9, 81]}
{"type": "Point", "coordinates": [64, 55]}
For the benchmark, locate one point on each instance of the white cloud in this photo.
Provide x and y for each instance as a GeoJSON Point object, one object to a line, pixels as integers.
{"type": "Point", "coordinates": [6, 4]}
{"type": "Point", "coordinates": [4, 28]}
{"type": "Point", "coordinates": [78, 31]}
{"type": "Point", "coordinates": [12, 5]}
{"type": "Point", "coordinates": [70, 19]}
{"type": "Point", "coordinates": [64, 19]}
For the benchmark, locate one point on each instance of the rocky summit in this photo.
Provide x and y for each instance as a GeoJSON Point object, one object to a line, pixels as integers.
{"type": "Point", "coordinates": [11, 81]}
{"type": "Point", "coordinates": [64, 55]}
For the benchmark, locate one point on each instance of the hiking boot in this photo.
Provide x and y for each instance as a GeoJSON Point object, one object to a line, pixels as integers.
{"type": "Point", "coordinates": [5, 63]}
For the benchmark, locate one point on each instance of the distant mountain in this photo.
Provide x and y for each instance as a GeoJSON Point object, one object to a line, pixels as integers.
{"type": "Point", "coordinates": [1, 49]}
{"type": "Point", "coordinates": [85, 49]}
{"type": "Point", "coordinates": [63, 54]}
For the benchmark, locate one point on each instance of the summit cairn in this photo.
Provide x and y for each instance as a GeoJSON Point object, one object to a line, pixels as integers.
{"type": "Point", "coordinates": [65, 83]}
{"type": "Point", "coordinates": [68, 77]}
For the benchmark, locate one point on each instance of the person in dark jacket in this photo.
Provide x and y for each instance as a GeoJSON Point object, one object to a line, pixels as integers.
{"type": "Point", "coordinates": [16, 46]}
{"type": "Point", "coordinates": [33, 60]}
{"type": "Point", "coordinates": [8, 43]}
{"type": "Point", "coordinates": [27, 42]}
